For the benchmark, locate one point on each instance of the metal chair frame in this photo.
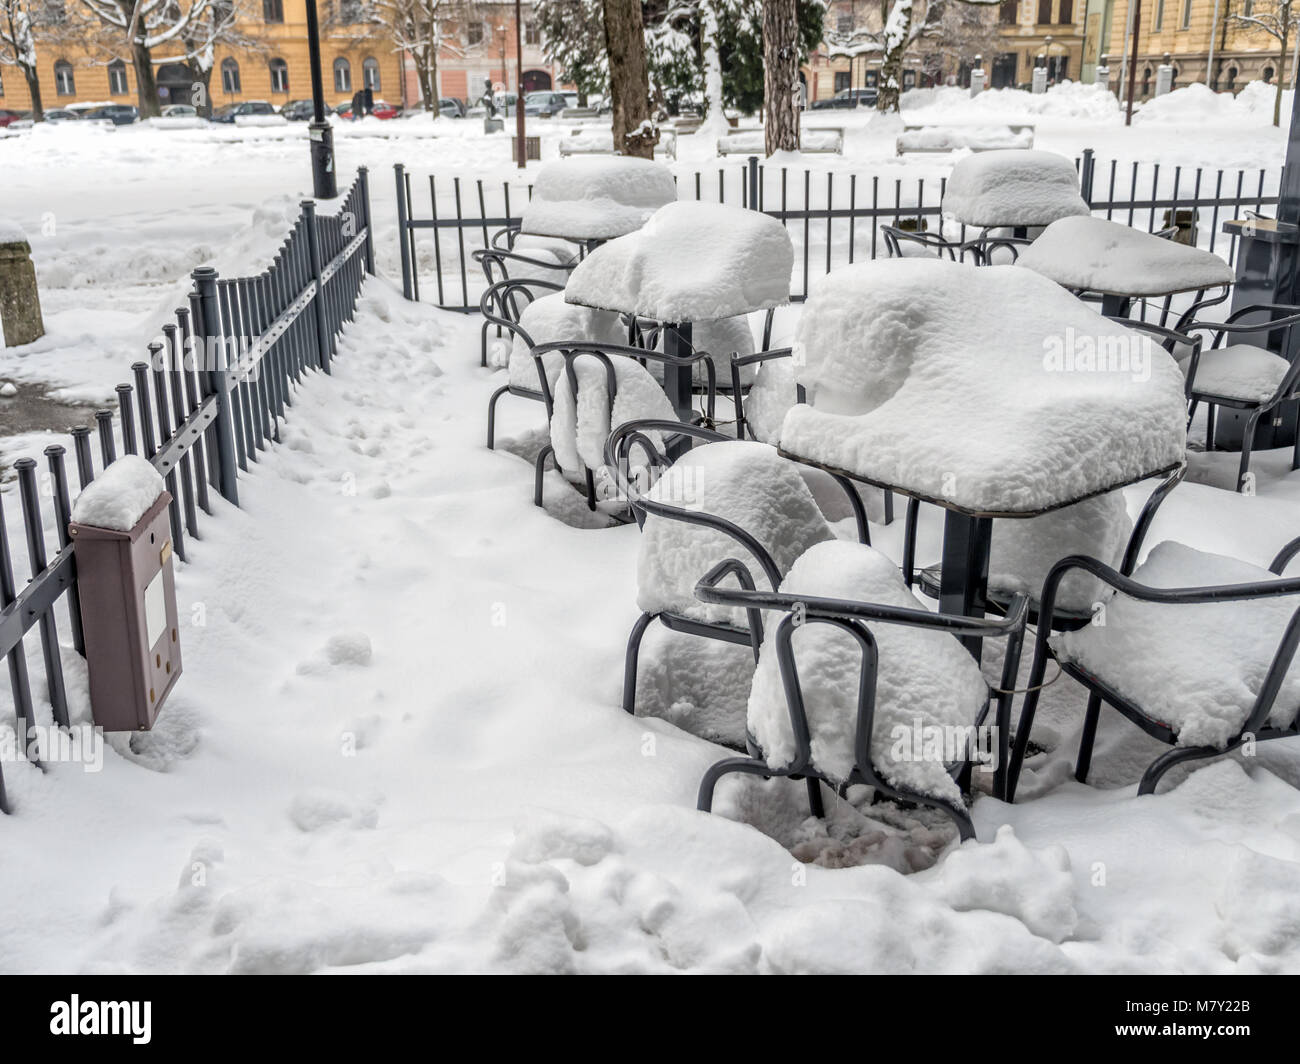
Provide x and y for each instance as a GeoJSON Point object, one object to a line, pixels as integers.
{"type": "Point", "coordinates": [499, 306]}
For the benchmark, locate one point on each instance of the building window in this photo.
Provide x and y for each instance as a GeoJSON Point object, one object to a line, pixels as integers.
{"type": "Point", "coordinates": [844, 23]}
{"type": "Point", "coordinates": [532, 33]}
{"type": "Point", "coordinates": [474, 33]}
{"type": "Point", "coordinates": [273, 10]}
{"type": "Point", "coordinates": [1232, 79]}
{"type": "Point", "coordinates": [841, 80]}
{"type": "Point", "coordinates": [1248, 8]}
{"type": "Point", "coordinates": [1044, 12]}
{"type": "Point", "coordinates": [1065, 15]}
{"type": "Point", "coordinates": [1009, 12]}
{"type": "Point", "coordinates": [117, 78]}
{"type": "Point", "coordinates": [342, 75]}
{"type": "Point", "coordinates": [370, 73]}
{"type": "Point", "coordinates": [351, 12]}
{"type": "Point", "coordinates": [64, 83]}
{"type": "Point", "coordinates": [1267, 75]}
{"type": "Point", "coordinates": [279, 75]}
{"type": "Point", "coordinates": [1159, 19]}
{"type": "Point", "coordinates": [1146, 82]}
{"type": "Point", "coordinates": [230, 77]}
{"type": "Point", "coordinates": [1187, 14]}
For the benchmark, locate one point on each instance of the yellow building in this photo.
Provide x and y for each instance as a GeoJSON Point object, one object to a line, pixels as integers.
{"type": "Point", "coordinates": [276, 70]}
{"type": "Point", "coordinates": [1184, 29]}
{"type": "Point", "coordinates": [1037, 33]}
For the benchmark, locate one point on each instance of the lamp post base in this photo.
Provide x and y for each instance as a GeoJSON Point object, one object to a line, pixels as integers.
{"type": "Point", "coordinates": [324, 180]}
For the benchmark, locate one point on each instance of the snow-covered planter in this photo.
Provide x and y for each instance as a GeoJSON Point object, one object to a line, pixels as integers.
{"type": "Point", "coordinates": [1013, 187]}
{"type": "Point", "coordinates": [590, 198]}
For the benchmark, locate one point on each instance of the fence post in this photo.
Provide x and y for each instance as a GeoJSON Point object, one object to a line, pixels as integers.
{"type": "Point", "coordinates": [209, 328]}
{"type": "Point", "coordinates": [1085, 176]}
{"type": "Point", "coordinates": [318, 300]}
{"type": "Point", "coordinates": [363, 176]}
{"type": "Point", "coordinates": [402, 205]}
{"type": "Point", "coordinates": [754, 197]}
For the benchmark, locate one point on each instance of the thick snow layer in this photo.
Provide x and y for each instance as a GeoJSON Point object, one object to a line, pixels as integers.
{"type": "Point", "coordinates": [1013, 187]}
{"type": "Point", "coordinates": [1024, 549]}
{"type": "Point", "coordinates": [1098, 255]}
{"type": "Point", "coordinates": [1068, 100]}
{"type": "Point", "coordinates": [919, 378]}
{"type": "Point", "coordinates": [691, 262]}
{"type": "Point", "coordinates": [950, 138]}
{"type": "Point", "coordinates": [1197, 104]}
{"type": "Point", "coordinates": [745, 483]}
{"type": "Point", "coordinates": [1239, 371]}
{"type": "Point", "coordinates": [770, 398]}
{"type": "Point", "coordinates": [11, 232]}
{"type": "Point", "coordinates": [120, 495]}
{"type": "Point", "coordinates": [924, 680]}
{"type": "Point", "coordinates": [549, 319]}
{"type": "Point", "coordinates": [1197, 668]}
{"type": "Point", "coordinates": [591, 198]}
{"type": "Point", "coordinates": [579, 436]}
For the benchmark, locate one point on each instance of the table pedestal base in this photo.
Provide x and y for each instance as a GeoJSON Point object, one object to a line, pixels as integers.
{"type": "Point", "coordinates": [963, 584]}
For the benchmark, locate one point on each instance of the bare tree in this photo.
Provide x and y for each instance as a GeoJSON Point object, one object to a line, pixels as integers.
{"type": "Point", "coordinates": [18, 48]}
{"type": "Point", "coordinates": [1279, 19]}
{"type": "Point", "coordinates": [220, 24]}
{"type": "Point", "coordinates": [780, 75]}
{"type": "Point", "coordinates": [629, 81]}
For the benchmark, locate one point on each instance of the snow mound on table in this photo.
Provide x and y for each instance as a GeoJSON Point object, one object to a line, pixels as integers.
{"type": "Point", "coordinates": [1197, 668]}
{"type": "Point", "coordinates": [924, 679]}
{"type": "Point", "coordinates": [1023, 550]}
{"type": "Point", "coordinates": [691, 262]}
{"type": "Point", "coordinates": [119, 496]}
{"type": "Point", "coordinates": [917, 377]}
{"type": "Point", "coordinates": [1097, 255]}
{"type": "Point", "coordinates": [1013, 187]}
{"type": "Point", "coordinates": [549, 319]}
{"type": "Point", "coordinates": [596, 198]}
{"type": "Point", "coordinates": [579, 430]}
{"type": "Point", "coordinates": [745, 483]}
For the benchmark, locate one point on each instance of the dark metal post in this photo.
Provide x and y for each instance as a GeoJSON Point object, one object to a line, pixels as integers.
{"type": "Point", "coordinates": [318, 301]}
{"type": "Point", "coordinates": [519, 85]}
{"type": "Point", "coordinates": [324, 180]}
{"type": "Point", "coordinates": [755, 200]}
{"type": "Point", "coordinates": [54, 454]}
{"type": "Point", "coordinates": [1085, 175]}
{"type": "Point", "coordinates": [363, 177]}
{"type": "Point", "coordinates": [209, 329]}
{"type": "Point", "coordinates": [1133, 60]}
{"type": "Point", "coordinates": [402, 238]}
{"type": "Point", "coordinates": [963, 585]}
{"type": "Point", "coordinates": [31, 505]}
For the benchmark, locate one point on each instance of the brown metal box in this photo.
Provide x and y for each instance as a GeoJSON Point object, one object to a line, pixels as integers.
{"type": "Point", "coordinates": [128, 614]}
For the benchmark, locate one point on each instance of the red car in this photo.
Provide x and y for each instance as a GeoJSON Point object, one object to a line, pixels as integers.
{"type": "Point", "coordinates": [8, 118]}
{"type": "Point", "coordinates": [382, 110]}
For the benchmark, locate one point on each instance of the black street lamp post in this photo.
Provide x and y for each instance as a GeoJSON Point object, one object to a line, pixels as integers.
{"type": "Point", "coordinates": [324, 180]}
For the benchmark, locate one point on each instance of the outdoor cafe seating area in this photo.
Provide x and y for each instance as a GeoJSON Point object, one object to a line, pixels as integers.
{"type": "Point", "coordinates": [1030, 394]}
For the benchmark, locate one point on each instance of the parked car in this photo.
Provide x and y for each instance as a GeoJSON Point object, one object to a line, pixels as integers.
{"type": "Point", "coordinates": [381, 110]}
{"type": "Point", "coordinates": [60, 114]}
{"type": "Point", "coordinates": [451, 107]}
{"type": "Point", "coordinates": [505, 106]}
{"type": "Point", "coordinates": [846, 100]}
{"type": "Point", "coordinates": [8, 118]}
{"type": "Point", "coordinates": [180, 110]}
{"type": "Point", "coordinates": [120, 114]}
{"type": "Point", "coordinates": [231, 111]}
{"type": "Point", "coordinates": [545, 104]}
{"type": "Point", "coordinates": [299, 110]}
{"type": "Point", "coordinates": [570, 98]}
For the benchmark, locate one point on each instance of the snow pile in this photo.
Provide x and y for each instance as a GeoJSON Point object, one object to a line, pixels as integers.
{"type": "Point", "coordinates": [745, 483]}
{"type": "Point", "coordinates": [1197, 104]}
{"type": "Point", "coordinates": [259, 121]}
{"type": "Point", "coordinates": [918, 378]}
{"type": "Point", "coordinates": [690, 262]}
{"type": "Point", "coordinates": [1197, 668]}
{"type": "Point", "coordinates": [1023, 550]}
{"type": "Point", "coordinates": [924, 680]}
{"type": "Point", "coordinates": [1013, 187]}
{"type": "Point", "coordinates": [1069, 100]}
{"type": "Point", "coordinates": [751, 142]}
{"type": "Point", "coordinates": [1097, 255]}
{"type": "Point", "coordinates": [119, 496]}
{"type": "Point", "coordinates": [549, 319]}
{"type": "Point", "coordinates": [590, 198]}
{"type": "Point", "coordinates": [949, 138]}
{"type": "Point", "coordinates": [11, 232]}
{"type": "Point", "coordinates": [579, 429]}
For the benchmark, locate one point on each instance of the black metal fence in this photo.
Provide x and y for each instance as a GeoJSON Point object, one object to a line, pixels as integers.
{"type": "Point", "coordinates": [834, 217]}
{"type": "Point", "coordinates": [211, 396]}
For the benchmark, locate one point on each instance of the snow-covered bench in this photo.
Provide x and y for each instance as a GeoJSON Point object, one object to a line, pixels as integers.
{"type": "Point", "coordinates": [590, 141]}
{"type": "Point", "coordinates": [933, 138]}
{"type": "Point", "coordinates": [580, 112]}
{"type": "Point", "coordinates": [814, 140]}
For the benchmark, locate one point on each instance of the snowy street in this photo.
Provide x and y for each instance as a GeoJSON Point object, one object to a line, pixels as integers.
{"type": "Point", "coordinates": [397, 744]}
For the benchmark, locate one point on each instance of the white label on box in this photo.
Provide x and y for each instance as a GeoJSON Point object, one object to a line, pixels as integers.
{"type": "Point", "coordinates": [155, 610]}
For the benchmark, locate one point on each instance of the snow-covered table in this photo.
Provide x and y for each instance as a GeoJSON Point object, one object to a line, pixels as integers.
{"type": "Point", "coordinates": [691, 262]}
{"type": "Point", "coordinates": [1120, 263]}
{"type": "Point", "coordinates": [919, 380]}
{"type": "Point", "coordinates": [588, 199]}
{"type": "Point", "coordinates": [1014, 188]}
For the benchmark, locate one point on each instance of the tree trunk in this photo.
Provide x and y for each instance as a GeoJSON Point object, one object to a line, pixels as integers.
{"type": "Point", "coordinates": [898, 30]}
{"type": "Point", "coordinates": [780, 76]}
{"type": "Point", "coordinates": [34, 90]}
{"type": "Point", "coordinates": [426, 73]}
{"type": "Point", "coordinates": [629, 81]}
{"type": "Point", "coordinates": [715, 119]}
{"type": "Point", "coordinates": [146, 87]}
{"type": "Point", "coordinates": [1281, 70]}
{"type": "Point", "coordinates": [200, 88]}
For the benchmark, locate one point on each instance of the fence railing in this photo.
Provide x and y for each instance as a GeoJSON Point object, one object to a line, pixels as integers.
{"type": "Point", "coordinates": [212, 395]}
{"type": "Point", "coordinates": [834, 217]}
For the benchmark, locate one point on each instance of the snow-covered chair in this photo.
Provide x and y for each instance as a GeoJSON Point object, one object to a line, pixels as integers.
{"type": "Point", "coordinates": [728, 498]}
{"type": "Point", "coordinates": [1196, 649]}
{"type": "Point", "coordinates": [920, 243]}
{"type": "Point", "coordinates": [596, 387]}
{"type": "Point", "coordinates": [856, 678]}
{"type": "Point", "coordinates": [1244, 376]}
{"type": "Point", "coordinates": [538, 269]}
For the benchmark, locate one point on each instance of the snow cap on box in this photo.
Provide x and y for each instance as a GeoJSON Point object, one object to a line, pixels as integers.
{"type": "Point", "coordinates": [691, 262]}
{"type": "Point", "coordinates": [119, 496]}
{"type": "Point", "coordinates": [591, 198]}
{"type": "Point", "coordinates": [1013, 186]}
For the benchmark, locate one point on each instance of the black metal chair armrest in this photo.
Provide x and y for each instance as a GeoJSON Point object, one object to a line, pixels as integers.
{"type": "Point", "coordinates": [1283, 557]}
{"type": "Point", "coordinates": [738, 362]}
{"type": "Point", "coordinates": [1143, 524]}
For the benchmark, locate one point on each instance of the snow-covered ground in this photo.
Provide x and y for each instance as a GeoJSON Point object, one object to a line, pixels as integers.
{"type": "Point", "coordinates": [397, 744]}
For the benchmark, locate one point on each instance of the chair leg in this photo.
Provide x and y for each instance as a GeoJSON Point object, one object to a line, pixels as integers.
{"type": "Point", "coordinates": [889, 507]}
{"type": "Point", "coordinates": [1166, 761]}
{"type": "Point", "coordinates": [1089, 736]}
{"type": "Point", "coordinates": [482, 361]}
{"type": "Point", "coordinates": [815, 806]}
{"type": "Point", "coordinates": [540, 472]}
{"type": "Point", "coordinates": [1210, 410]}
{"type": "Point", "coordinates": [1027, 711]}
{"type": "Point", "coordinates": [1247, 442]}
{"type": "Point", "coordinates": [630, 659]}
{"type": "Point", "coordinates": [1295, 453]}
{"type": "Point", "coordinates": [1191, 412]}
{"type": "Point", "coordinates": [749, 766]}
{"type": "Point", "coordinates": [492, 416]}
